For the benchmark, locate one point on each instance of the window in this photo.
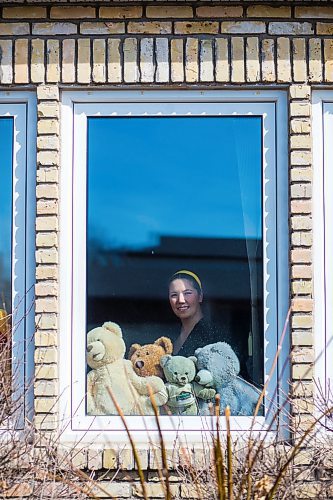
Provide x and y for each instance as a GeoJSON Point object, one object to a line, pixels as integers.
{"type": "Point", "coordinates": [323, 238]}
{"type": "Point", "coordinates": [17, 270]}
{"type": "Point", "coordinates": [162, 182]}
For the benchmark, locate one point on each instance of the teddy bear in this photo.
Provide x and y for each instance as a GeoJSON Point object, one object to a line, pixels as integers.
{"type": "Point", "coordinates": [220, 360]}
{"type": "Point", "coordinates": [109, 369]}
{"type": "Point", "coordinates": [180, 372]}
{"type": "Point", "coordinates": [146, 358]}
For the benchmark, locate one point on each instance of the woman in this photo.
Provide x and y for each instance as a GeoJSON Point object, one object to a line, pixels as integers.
{"type": "Point", "coordinates": [186, 296]}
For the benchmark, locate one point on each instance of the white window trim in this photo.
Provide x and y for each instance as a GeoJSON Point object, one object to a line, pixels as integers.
{"type": "Point", "coordinates": [322, 114]}
{"type": "Point", "coordinates": [72, 230]}
{"type": "Point", "coordinates": [21, 106]}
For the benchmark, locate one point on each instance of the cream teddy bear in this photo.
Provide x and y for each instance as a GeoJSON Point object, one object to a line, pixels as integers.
{"type": "Point", "coordinates": [109, 369]}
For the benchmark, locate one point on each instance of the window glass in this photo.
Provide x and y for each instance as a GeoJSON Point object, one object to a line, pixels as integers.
{"type": "Point", "coordinates": [6, 152]}
{"type": "Point", "coordinates": [166, 194]}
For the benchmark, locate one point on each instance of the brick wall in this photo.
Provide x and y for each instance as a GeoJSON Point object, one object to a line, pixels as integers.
{"type": "Point", "coordinates": [217, 45]}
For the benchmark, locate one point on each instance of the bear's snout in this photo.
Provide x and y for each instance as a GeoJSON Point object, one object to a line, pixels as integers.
{"type": "Point", "coordinates": [139, 364]}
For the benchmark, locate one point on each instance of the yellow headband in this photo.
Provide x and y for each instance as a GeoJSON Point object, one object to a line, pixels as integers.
{"type": "Point", "coordinates": [189, 273]}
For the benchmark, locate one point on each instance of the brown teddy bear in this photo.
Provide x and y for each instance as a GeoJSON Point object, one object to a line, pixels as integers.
{"type": "Point", "coordinates": [146, 358]}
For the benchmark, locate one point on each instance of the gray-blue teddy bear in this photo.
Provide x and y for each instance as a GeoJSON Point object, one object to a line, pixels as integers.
{"type": "Point", "coordinates": [223, 365]}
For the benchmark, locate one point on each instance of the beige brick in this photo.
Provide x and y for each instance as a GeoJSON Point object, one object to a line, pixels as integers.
{"type": "Point", "coordinates": [191, 60]}
{"type": "Point", "coordinates": [300, 371]}
{"type": "Point", "coordinates": [110, 458]}
{"type": "Point", "coordinates": [47, 339]}
{"type": "Point", "coordinates": [45, 405]}
{"type": "Point", "coordinates": [290, 28]}
{"type": "Point", "coordinates": [196, 27]}
{"type": "Point", "coordinates": [301, 287]}
{"type": "Point", "coordinates": [301, 191]}
{"type": "Point", "coordinates": [64, 12]}
{"type": "Point", "coordinates": [268, 11]}
{"type": "Point", "coordinates": [131, 73]}
{"type": "Point", "coordinates": [104, 28]}
{"type": "Point", "coordinates": [268, 62]}
{"type": "Point", "coordinates": [46, 321]}
{"type": "Point", "coordinates": [112, 490]}
{"type": "Point", "coordinates": [47, 305]}
{"type": "Point", "coordinates": [48, 142]}
{"type": "Point", "coordinates": [324, 28]}
{"type": "Point", "coordinates": [147, 67]}
{"type": "Point", "coordinates": [47, 174]}
{"type": "Point", "coordinates": [301, 158]}
{"type": "Point", "coordinates": [169, 11]}
{"type": "Point", "coordinates": [52, 64]}
{"type": "Point", "coordinates": [6, 61]}
{"type": "Point", "coordinates": [222, 65]}
{"type": "Point", "coordinates": [301, 272]}
{"type": "Point", "coordinates": [300, 109]}
{"type": "Point", "coordinates": [219, 11]}
{"type": "Point", "coordinates": [21, 71]}
{"type": "Point", "coordinates": [302, 389]}
{"type": "Point", "coordinates": [300, 255]}
{"type": "Point", "coordinates": [243, 27]}
{"type": "Point", "coordinates": [54, 28]}
{"type": "Point", "coordinates": [126, 459]}
{"type": "Point", "coordinates": [315, 57]}
{"type": "Point", "coordinates": [302, 321]}
{"type": "Point", "coordinates": [18, 490]}
{"type": "Point", "coordinates": [68, 61]}
{"type": "Point", "coordinates": [303, 239]}
{"type": "Point", "coordinates": [301, 206]}
{"type": "Point", "coordinates": [46, 372]}
{"type": "Point", "coordinates": [206, 61]}
{"type": "Point", "coordinates": [99, 68]}
{"type": "Point", "coordinates": [48, 110]}
{"type": "Point", "coordinates": [95, 459]}
{"type": "Point", "coordinates": [237, 58]}
{"type": "Point", "coordinates": [114, 64]}
{"type": "Point", "coordinates": [301, 222]}
{"type": "Point", "coordinates": [46, 422]}
{"type": "Point", "coordinates": [44, 272]}
{"type": "Point", "coordinates": [37, 67]}
{"type": "Point", "coordinates": [46, 239]}
{"type": "Point", "coordinates": [49, 256]}
{"type": "Point", "coordinates": [48, 92]}
{"type": "Point", "coordinates": [23, 12]}
{"type": "Point", "coordinates": [162, 60]}
{"type": "Point", "coordinates": [48, 158]}
{"type": "Point", "coordinates": [47, 223]}
{"type": "Point", "coordinates": [299, 60]}
{"type": "Point", "coordinates": [83, 65]}
{"type": "Point", "coordinates": [12, 29]}
{"type": "Point", "coordinates": [302, 305]}
{"type": "Point", "coordinates": [46, 355]}
{"type": "Point", "coordinates": [131, 11]}
{"type": "Point", "coordinates": [314, 12]}
{"type": "Point", "coordinates": [283, 60]}
{"type": "Point", "coordinates": [305, 338]}
{"type": "Point", "coordinates": [303, 174]}
{"type": "Point", "coordinates": [177, 60]}
{"type": "Point", "coordinates": [300, 126]}
{"type": "Point", "coordinates": [149, 27]}
{"type": "Point", "coordinates": [156, 490]}
{"type": "Point", "coordinates": [302, 355]}
{"type": "Point", "coordinates": [252, 60]}
{"type": "Point", "coordinates": [46, 388]}
{"type": "Point", "coordinates": [328, 60]}
{"type": "Point", "coordinates": [298, 91]}
{"type": "Point", "coordinates": [301, 141]}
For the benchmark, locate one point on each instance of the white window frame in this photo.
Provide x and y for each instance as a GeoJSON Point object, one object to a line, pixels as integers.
{"type": "Point", "coordinates": [21, 106]}
{"type": "Point", "coordinates": [76, 106]}
{"type": "Point", "coordinates": [322, 114]}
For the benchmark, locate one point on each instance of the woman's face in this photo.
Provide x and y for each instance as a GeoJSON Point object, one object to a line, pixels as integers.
{"type": "Point", "coordinates": [184, 299]}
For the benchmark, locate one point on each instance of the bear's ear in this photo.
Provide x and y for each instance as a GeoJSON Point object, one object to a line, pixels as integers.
{"type": "Point", "coordinates": [113, 328]}
{"type": "Point", "coordinates": [197, 351]}
{"type": "Point", "coordinates": [165, 360]}
{"type": "Point", "coordinates": [165, 343]}
{"type": "Point", "coordinates": [194, 359]}
{"type": "Point", "coordinates": [133, 349]}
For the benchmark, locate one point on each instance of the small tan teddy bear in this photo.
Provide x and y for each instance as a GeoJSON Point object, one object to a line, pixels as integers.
{"type": "Point", "coordinates": [146, 358]}
{"type": "Point", "coordinates": [111, 373]}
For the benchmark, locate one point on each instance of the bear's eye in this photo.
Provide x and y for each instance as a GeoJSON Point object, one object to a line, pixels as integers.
{"type": "Point", "coordinates": [186, 373]}
{"type": "Point", "coordinates": [175, 373]}
{"type": "Point", "coordinates": [147, 353]}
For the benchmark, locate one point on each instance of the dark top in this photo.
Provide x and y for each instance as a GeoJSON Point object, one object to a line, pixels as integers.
{"type": "Point", "coordinates": [203, 333]}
